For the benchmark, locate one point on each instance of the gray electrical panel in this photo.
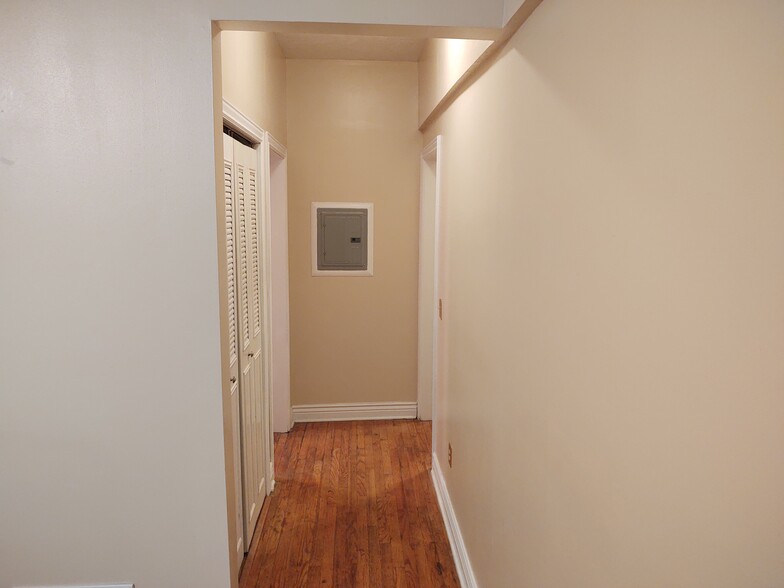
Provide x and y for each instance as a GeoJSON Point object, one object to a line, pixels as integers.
{"type": "Point", "coordinates": [342, 235]}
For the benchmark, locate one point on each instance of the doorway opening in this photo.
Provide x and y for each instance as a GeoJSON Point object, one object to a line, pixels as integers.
{"type": "Point", "coordinates": [430, 299]}
{"type": "Point", "coordinates": [332, 115]}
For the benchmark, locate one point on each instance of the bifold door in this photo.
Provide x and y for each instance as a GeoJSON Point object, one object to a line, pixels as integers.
{"type": "Point", "coordinates": [243, 250]}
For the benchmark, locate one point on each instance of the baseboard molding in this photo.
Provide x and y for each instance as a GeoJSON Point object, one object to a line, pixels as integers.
{"type": "Point", "coordinates": [90, 586]}
{"type": "Point", "coordinates": [359, 411]}
{"type": "Point", "coordinates": [459, 553]}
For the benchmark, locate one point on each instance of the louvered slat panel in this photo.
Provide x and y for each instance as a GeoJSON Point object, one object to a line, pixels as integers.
{"type": "Point", "coordinates": [243, 254]}
{"type": "Point", "coordinates": [230, 260]}
{"type": "Point", "coordinates": [254, 260]}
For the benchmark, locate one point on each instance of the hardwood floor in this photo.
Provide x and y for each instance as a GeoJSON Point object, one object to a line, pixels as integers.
{"type": "Point", "coordinates": [353, 505]}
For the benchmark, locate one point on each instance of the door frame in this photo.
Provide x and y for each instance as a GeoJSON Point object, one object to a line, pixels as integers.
{"type": "Point", "coordinates": [261, 139]}
{"type": "Point", "coordinates": [272, 145]}
{"type": "Point", "coordinates": [431, 155]}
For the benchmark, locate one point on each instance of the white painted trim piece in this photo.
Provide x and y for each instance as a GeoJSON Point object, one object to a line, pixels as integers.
{"type": "Point", "coordinates": [430, 150]}
{"type": "Point", "coordinates": [277, 146]}
{"type": "Point", "coordinates": [437, 152]}
{"type": "Point", "coordinates": [266, 272]}
{"type": "Point", "coordinates": [431, 153]}
{"type": "Point", "coordinates": [360, 411]}
{"type": "Point", "coordinates": [459, 553]}
{"type": "Point", "coordinates": [233, 118]}
{"type": "Point", "coordinates": [314, 239]}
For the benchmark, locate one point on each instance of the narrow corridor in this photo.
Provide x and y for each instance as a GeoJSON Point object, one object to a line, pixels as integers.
{"type": "Point", "coordinates": [354, 505]}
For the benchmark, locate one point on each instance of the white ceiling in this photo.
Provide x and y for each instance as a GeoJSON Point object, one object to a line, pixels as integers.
{"type": "Point", "coordinates": [352, 47]}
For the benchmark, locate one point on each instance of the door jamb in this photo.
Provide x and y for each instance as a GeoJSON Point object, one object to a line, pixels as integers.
{"type": "Point", "coordinates": [430, 153]}
{"type": "Point", "coordinates": [271, 144]}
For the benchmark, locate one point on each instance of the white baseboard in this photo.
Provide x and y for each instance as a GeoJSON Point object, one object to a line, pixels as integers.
{"type": "Point", "coordinates": [358, 411]}
{"type": "Point", "coordinates": [459, 553]}
{"type": "Point", "coordinates": [90, 586]}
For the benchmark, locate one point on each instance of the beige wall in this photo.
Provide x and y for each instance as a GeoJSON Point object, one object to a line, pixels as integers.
{"type": "Point", "coordinates": [254, 78]}
{"type": "Point", "coordinates": [442, 63]}
{"type": "Point", "coordinates": [616, 206]}
{"type": "Point", "coordinates": [353, 138]}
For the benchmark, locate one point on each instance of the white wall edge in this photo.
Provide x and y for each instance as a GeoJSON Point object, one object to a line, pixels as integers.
{"type": "Point", "coordinates": [459, 553]}
{"type": "Point", "coordinates": [360, 411]}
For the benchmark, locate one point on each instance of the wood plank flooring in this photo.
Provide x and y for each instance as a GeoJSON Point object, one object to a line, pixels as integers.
{"type": "Point", "coordinates": [353, 506]}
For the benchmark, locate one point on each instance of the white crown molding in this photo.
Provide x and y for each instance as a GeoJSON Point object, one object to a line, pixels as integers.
{"type": "Point", "coordinates": [359, 411]}
{"type": "Point", "coordinates": [464, 570]}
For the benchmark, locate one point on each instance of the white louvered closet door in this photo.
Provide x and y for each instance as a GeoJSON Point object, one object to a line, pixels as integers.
{"type": "Point", "coordinates": [253, 429]}
{"type": "Point", "coordinates": [230, 224]}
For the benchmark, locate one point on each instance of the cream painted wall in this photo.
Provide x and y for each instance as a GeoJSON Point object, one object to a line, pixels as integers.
{"type": "Point", "coordinates": [353, 138]}
{"type": "Point", "coordinates": [442, 63]}
{"type": "Point", "coordinates": [616, 204]}
{"type": "Point", "coordinates": [254, 78]}
{"type": "Point", "coordinates": [111, 440]}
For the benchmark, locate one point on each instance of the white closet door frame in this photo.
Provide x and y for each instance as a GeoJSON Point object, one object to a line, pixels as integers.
{"type": "Point", "coordinates": [268, 144]}
{"type": "Point", "coordinates": [272, 145]}
{"type": "Point", "coordinates": [432, 155]}
{"type": "Point", "coordinates": [234, 119]}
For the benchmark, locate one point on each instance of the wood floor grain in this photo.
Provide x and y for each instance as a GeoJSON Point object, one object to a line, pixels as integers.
{"type": "Point", "coordinates": [353, 506]}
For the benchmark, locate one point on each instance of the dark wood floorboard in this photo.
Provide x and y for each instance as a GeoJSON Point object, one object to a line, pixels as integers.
{"type": "Point", "coordinates": [353, 506]}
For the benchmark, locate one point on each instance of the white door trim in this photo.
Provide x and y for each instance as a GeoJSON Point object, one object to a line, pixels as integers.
{"type": "Point", "coordinates": [271, 144]}
{"type": "Point", "coordinates": [234, 119]}
{"type": "Point", "coordinates": [277, 146]}
{"type": "Point", "coordinates": [266, 272]}
{"type": "Point", "coordinates": [432, 152]}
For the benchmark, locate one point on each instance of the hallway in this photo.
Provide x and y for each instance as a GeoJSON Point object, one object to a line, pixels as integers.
{"type": "Point", "coordinates": [353, 505]}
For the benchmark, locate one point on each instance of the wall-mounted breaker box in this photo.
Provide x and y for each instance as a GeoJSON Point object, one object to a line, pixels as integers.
{"type": "Point", "coordinates": [342, 236]}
